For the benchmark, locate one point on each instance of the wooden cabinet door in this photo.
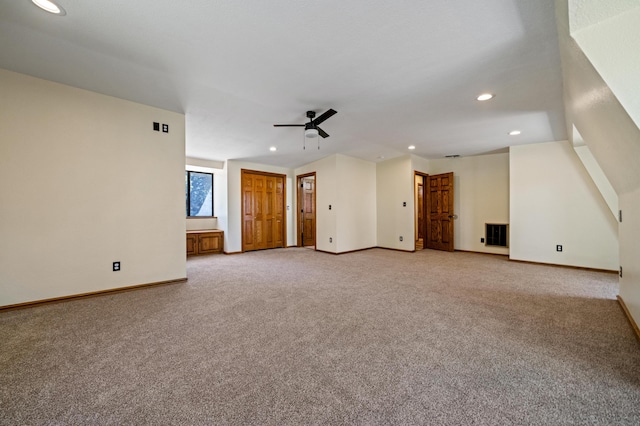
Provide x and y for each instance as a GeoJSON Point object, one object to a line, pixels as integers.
{"type": "Point", "coordinates": [440, 212]}
{"type": "Point", "coordinates": [192, 241]}
{"type": "Point", "coordinates": [209, 243]}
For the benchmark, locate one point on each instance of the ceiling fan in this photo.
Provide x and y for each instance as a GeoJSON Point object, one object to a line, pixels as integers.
{"type": "Point", "coordinates": [311, 129]}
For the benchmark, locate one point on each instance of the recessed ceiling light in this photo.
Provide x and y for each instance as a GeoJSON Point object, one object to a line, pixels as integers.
{"type": "Point", "coordinates": [412, 147]}
{"type": "Point", "coordinates": [381, 157]}
{"type": "Point", "coordinates": [50, 7]}
{"type": "Point", "coordinates": [515, 132]}
{"type": "Point", "coordinates": [273, 148]}
{"type": "Point", "coordinates": [485, 97]}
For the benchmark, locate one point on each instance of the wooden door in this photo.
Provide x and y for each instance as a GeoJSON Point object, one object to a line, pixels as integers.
{"type": "Point", "coordinates": [263, 217]}
{"type": "Point", "coordinates": [420, 206]}
{"type": "Point", "coordinates": [440, 214]}
{"type": "Point", "coordinates": [307, 210]}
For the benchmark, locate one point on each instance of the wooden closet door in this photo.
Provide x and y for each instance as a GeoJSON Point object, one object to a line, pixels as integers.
{"type": "Point", "coordinates": [248, 228]}
{"type": "Point", "coordinates": [278, 209]}
{"type": "Point", "coordinates": [263, 211]}
{"type": "Point", "coordinates": [269, 201]}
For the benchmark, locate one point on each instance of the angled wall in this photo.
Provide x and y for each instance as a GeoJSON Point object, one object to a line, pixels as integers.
{"type": "Point", "coordinates": [612, 136]}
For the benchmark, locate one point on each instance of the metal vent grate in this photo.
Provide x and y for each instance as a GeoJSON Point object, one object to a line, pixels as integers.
{"type": "Point", "coordinates": [497, 234]}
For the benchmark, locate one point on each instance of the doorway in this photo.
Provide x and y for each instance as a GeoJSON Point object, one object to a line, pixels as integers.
{"type": "Point", "coordinates": [420, 202]}
{"type": "Point", "coordinates": [307, 210]}
{"type": "Point", "coordinates": [263, 210]}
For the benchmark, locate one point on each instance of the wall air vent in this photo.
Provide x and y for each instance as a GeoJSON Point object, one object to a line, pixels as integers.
{"type": "Point", "coordinates": [497, 234]}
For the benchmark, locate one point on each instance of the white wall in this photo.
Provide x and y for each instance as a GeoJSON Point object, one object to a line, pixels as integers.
{"type": "Point", "coordinates": [394, 186]}
{"type": "Point", "coordinates": [481, 195]}
{"type": "Point", "coordinates": [233, 228]}
{"type": "Point", "coordinates": [326, 195]}
{"type": "Point", "coordinates": [554, 201]}
{"type": "Point", "coordinates": [611, 42]}
{"type": "Point", "coordinates": [356, 207]}
{"type": "Point", "coordinates": [630, 251]}
{"type": "Point", "coordinates": [84, 182]}
{"type": "Point", "coordinates": [613, 138]}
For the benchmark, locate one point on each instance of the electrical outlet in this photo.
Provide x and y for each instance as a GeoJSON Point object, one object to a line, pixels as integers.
{"type": "Point", "coordinates": [482, 240]}
{"type": "Point", "coordinates": [559, 247]}
{"type": "Point", "coordinates": [329, 206]}
{"type": "Point", "coordinates": [165, 128]}
{"type": "Point", "coordinates": [401, 238]}
{"type": "Point", "coordinates": [404, 204]}
{"type": "Point", "coordinates": [116, 266]}
{"type": "Point", "coordinates": [330, 239]}
{"type": "Point", "coordinates": [156, 126]}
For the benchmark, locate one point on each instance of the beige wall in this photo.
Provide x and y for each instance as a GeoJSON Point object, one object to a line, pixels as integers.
{"type": "Point", "coordinates": [348, 185]}
{"type": "Point", "coordinates": [395, 186]}
{"type": "Point", "coordinates": [554, 201]}
{"type": "Point", "coordinates": [356, 207]}
{"type": "Point", "coordinates": [326, 194]}
{"type": "Point", "coordinates": [481, 195]}
{"type": "Point", "coordinates": [84, 182]}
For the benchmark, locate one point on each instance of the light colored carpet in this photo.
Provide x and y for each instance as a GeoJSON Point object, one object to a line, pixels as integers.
{"type": "Point", "coordinates": [293, 336]}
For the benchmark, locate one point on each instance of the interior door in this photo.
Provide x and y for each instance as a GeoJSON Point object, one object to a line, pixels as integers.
{"type": "Point", "coordinates": [307, 209]}
{"type": "Point", "coordinates": [440, 213]}
{"type": "Point", "coordinates": [263, 210]}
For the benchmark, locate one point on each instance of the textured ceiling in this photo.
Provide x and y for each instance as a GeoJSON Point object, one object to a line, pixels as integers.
{"type": "Point", "coordinates": [398, 73]}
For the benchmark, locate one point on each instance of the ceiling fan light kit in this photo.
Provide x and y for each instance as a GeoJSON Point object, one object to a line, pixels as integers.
{"type": "Point", "coordinates": [311, 129]}
{"type": "Point", "coordinates": [311, 133]}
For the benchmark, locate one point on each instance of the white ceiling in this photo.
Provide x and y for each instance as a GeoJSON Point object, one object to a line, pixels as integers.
{"type": "Point", "coordinates": [398, 73]}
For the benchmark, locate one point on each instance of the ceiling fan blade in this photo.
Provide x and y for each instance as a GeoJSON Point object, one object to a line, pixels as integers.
{"type": "Point", "coordinates": [327, 114]}
{"type": "Point", "coordinates": [322, 132]}
{"type": "Point", "coordinates": [288, 125]}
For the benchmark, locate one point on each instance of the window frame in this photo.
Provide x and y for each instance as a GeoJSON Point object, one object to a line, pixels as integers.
{"type": "Point", "coordinates": [188, 195]}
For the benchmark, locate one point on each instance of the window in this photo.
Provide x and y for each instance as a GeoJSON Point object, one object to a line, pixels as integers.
{"type": "Point", "coordinates": [199, 193]}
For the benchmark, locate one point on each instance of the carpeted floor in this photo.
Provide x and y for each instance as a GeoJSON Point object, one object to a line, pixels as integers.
{"type": "Point", "coordinates": [293, 336]}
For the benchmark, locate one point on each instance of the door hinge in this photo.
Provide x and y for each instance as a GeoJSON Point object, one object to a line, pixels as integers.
{"type": "Point", "coordinates": [621, 272]}
{"type": "Point", "coordinates": [620, 215]}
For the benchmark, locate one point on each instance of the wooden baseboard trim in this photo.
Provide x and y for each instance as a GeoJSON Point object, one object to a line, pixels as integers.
{"type": "Point", "coordinates": [582, 268]}
{"type": "Point", "coordinates": [395, 249]}
{"type": "Point", "coordinates": [345, 252]}
{"type": "Point", "coordinates": [233, 252]}
{"type": "Point", "coordinates": [634, 325]}
{"type": "Point", "coordinates": [89, 294]}
{"type": "Point", "coordinates": [482, 252]}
